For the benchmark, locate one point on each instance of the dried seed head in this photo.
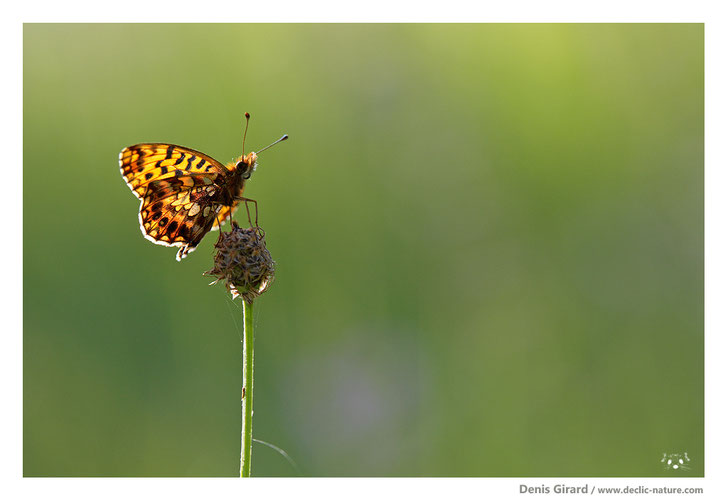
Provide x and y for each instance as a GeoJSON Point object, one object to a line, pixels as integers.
{"type": "Point", "coordinates": [243, 261]}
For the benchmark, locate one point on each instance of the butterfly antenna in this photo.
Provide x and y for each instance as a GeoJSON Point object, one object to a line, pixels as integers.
{"type": "Point", "coordinates": [247, 121]}
{"type": "Point", "coordinates": [285, 136]}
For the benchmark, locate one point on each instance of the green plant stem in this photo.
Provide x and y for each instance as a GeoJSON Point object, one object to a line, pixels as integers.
{"type": "Point", "coordinates": [246, 439]}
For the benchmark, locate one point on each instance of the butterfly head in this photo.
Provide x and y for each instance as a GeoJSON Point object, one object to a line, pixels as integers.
{"type": "Point", "coordinates": [246, 165]}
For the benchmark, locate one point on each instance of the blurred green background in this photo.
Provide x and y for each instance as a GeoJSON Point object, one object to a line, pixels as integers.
{"type": "Point", "coordinates": [489, 247]}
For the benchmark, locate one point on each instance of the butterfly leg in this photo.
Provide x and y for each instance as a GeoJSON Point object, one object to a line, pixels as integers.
{"type": "Point", "coordinates": [219, 227]}
{"type": "Point", "coordinates": [247, 209]}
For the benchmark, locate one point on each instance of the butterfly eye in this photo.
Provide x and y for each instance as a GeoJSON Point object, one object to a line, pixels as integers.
{"type": "Point", "coordinates": [240, 165]}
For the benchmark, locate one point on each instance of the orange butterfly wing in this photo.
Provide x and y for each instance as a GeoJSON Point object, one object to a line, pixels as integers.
{"type": "Point", "coordinates": [180, 191]}
{"type": "Point", "coordinates": [143, 163]}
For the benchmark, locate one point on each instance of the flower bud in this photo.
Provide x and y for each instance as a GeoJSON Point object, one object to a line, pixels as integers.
{"type": "Point", "coordinates": [243, 261]}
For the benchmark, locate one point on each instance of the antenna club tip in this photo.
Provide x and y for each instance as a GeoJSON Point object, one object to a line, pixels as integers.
{"type": "Point", "coordinates": [247, 115]}
{"type": "Point", "coordinates": [285, 136]}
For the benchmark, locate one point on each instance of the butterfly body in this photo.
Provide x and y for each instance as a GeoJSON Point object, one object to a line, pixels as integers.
{"type": "Point", "coordinates": [184, 193]}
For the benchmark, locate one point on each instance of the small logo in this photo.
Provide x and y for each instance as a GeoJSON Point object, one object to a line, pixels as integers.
{"type": "Point", "coordinates": [675, 461]}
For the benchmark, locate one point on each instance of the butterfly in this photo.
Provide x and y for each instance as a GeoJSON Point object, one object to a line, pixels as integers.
{"type": "Point", "coordinates": [184, 193]}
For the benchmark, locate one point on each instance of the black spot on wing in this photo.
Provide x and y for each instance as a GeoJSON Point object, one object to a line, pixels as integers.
{"type": "Point", "coordinates": [140, 161]}
{"type": "Point", "coordinates": [189, 164]}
